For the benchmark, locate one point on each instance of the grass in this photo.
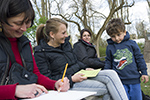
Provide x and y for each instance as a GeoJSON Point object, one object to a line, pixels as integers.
{"type": "Point", "coordinates": [146, 87]}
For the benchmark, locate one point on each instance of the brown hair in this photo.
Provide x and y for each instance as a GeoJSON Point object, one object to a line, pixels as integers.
{"type": "Point", "coordinates": [84, 30]}
{"type": "Point", "coordinates": [11, 8]}
{"type": "Point", "coordinates": [115, 26]}
{"type": "Point", "coordinates": [52, 25]}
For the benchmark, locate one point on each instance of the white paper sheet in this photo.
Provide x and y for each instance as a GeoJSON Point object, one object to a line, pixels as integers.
{"type": "Point", "coordinates": [69, 95]}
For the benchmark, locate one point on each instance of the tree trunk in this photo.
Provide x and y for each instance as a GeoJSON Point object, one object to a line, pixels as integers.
{"type": "Point", "coordinates": [147, 51]}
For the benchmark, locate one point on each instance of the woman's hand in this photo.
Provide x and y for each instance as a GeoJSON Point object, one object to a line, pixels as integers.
{"type": "Point", "coordinates": [78, 77]}
{"type": "Point", "coordinates": [62, 86]}
{"type": "Point", "coordinates": [29, 91]}
{"type": "Point", "coordinates": [89, 69]}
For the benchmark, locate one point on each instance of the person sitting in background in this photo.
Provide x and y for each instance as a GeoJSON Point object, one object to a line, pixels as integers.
{"type": "Point", "coordinates": [16, 16]}
{"type": "Point", "coordinates": [54, 51]}
{"type": "Point", "coordinates": [86, 52]}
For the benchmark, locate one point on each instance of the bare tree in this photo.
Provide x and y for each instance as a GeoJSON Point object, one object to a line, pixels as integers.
{"type": "Point", "coordinates": [148, 2]}
{"type": "Point", "coordinates": [147, 41]}
{"type": "Point", "coordinates": [85, 15]}
{"type": "Point", "coordinates": [43, 7]}
{"type": "Point", "coordinates": [140, 29]}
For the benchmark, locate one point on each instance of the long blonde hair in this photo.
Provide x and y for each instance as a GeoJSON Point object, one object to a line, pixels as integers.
{"type": "Point", "coordinates": [52, 25]}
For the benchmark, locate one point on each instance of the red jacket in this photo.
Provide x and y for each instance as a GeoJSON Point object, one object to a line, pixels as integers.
{"type": "Point", "coordinates": [8, 91]}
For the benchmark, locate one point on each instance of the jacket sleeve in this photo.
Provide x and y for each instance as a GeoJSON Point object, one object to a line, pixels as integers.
{"type": "Point", "coordinates": [42, 63]}
{"type": "Point", "coordinates": [139, 59]}
{"type": "Point", "coordinates": [43, 80]}
{"type": "Point", "coordinates": [108, 61]}
{"type": "Point", "coordinates": [82, 55]}
{"type": "Point", "coordinates": [71, 70]}
{"type": "Point", "coordinates": [7, 92]}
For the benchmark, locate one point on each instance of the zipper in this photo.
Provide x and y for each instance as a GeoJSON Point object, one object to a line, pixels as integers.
{"type": "Point", "coordinates": [6, 71]}
{"type": "Point", "coordinates": [7, 79]}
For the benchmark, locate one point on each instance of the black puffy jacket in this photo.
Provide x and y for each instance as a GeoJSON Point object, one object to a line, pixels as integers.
{"type": "Point", "coordinates": [5, 60]}
{"type": "Point", "coordinates": [51, 61]}
{"type": "Point", "coordinates": [86, 53]}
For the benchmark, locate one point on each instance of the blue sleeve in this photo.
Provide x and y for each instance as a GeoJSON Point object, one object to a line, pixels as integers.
{"type": "Point", "coordinates": [139, 59]}
{"type": "Point", "coordinates": [108, 61]}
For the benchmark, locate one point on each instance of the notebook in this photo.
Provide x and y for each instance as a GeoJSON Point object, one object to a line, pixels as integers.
{"type": "Point", "coordinates": [69, 95]}
{"type": "Point", "coordinates": [89, 73]}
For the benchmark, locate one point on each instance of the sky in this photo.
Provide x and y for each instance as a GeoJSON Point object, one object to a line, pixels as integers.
{"type": "Point", "coordinates": [139, 11]}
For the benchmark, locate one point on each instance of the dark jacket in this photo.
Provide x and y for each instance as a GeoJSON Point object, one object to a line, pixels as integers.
{"type": "Point", "coordinates": [126, 59]}
{"type": "Point", "coordinates": [86, 53]}
{"type": "Point", "coordinates": [4, 59]}
{"type": "Point", "coordinates": [51, 61]}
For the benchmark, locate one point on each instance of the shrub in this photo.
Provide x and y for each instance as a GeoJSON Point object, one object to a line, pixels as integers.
{"type": "Point", "coordinates": [141, 46]}
{"type": "Point", "coordinates": [102, 51]}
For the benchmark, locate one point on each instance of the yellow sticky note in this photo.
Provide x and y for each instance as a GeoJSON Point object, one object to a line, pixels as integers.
{"type": "Point", "coordinates": [89, 73]}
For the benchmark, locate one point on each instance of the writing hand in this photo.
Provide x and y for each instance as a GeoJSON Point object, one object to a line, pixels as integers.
{"type": "Point", "coordinates": [62, 86]}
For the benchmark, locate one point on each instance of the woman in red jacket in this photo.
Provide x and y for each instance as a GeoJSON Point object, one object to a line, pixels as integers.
{"type": "Point", "coordinates": [15, 17]}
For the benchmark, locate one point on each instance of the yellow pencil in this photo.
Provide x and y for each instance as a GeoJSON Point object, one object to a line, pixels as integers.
{"type": "Point", "coordinates": [63, 74]}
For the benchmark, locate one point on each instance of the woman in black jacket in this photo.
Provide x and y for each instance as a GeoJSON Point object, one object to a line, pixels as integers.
{"type": "Point", "coordinates": [86, 52]}
{"type": "Point", "coordinates": [54, 51]}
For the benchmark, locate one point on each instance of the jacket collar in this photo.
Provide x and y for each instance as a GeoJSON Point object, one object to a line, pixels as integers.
{"type": "Point", "coordinates": [86, 43]}
{"type": "Point", "coordinates": [44, 46]}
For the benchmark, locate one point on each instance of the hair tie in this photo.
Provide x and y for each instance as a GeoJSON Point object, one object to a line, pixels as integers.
{"type": "Point", "coordinates": [0, 27]}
